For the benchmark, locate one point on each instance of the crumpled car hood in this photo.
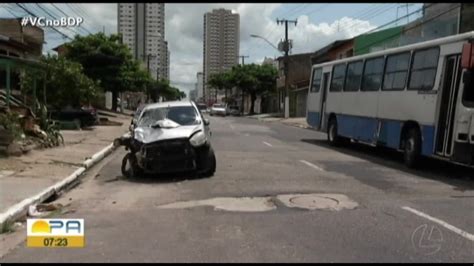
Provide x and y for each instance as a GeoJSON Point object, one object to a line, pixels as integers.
{"type": "Point", "coordinates": [148, 134]}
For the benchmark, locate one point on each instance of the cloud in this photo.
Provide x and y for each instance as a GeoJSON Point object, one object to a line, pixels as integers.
{"type": "Point", "coordinates": [184, 32]}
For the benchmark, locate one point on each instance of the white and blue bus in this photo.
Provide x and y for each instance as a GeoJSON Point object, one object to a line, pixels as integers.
{"type": "Point", "coordinates": [418, 99]}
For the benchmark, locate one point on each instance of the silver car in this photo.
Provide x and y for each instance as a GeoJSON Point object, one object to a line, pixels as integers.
{"type": "Point", "coordinates": [170, 137]}
{"type": "Point", "coordinates": [218, 109]}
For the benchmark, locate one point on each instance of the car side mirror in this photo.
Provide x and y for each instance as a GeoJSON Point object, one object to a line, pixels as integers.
{"type": "Point", "coordinates": [206, 121]}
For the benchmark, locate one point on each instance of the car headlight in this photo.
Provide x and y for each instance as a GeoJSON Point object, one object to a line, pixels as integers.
{"type": "Point", "coordinates": [198, 139]}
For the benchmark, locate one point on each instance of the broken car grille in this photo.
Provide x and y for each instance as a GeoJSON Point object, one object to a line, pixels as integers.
{"type": "Point", "coordinates": [169, 155]}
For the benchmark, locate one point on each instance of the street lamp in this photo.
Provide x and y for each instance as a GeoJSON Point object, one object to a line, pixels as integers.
{"type": "Point", "coordinates": [258, 36]}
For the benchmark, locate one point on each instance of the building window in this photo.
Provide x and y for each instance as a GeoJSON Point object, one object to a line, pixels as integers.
{"type": "Point", "coordinates": [423, 69]}
{"type": "Point", "coordinates": [396, 71]}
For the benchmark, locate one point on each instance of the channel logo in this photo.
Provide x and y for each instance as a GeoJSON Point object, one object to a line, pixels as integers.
{"type": "Point", "coordinates": [55, 233]}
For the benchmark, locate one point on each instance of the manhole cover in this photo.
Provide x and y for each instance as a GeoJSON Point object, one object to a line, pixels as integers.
{"type": "Point", "coordinates": [314, 202]}
{"type": "Point", "coordinates": [334, 202]}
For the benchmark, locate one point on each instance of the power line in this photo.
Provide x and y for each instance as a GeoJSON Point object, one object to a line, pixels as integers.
{"type": "Point", "coordinates": [82, 27]}
{"type": "Point", "coordinates": [75, 9]}
{"type": "Point", "coordinates": [412, 27]}
{"type": "Point", "coordinates": [378, 13]}
{"type": "Point", "coordinates": [34, 15]}
{"type": "Point", "coordinates": [54, 17]}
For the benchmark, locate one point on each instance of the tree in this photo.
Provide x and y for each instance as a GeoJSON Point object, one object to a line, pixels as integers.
{"type": "Point", "coordinates": [221, 81]}
{"type": "Point", "coordinates": [105, 59]}
{"type": "Point", "coordinates": [244, 79]}
{"type": "Point", "coordinates": [266, 76]}
{"type": "Point", "coordinates": [65, 82]}
{"type": "Point", "coordinates": [251, 79]}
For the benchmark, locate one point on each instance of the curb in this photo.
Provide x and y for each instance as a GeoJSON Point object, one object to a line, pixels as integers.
{"type": "Point", "coordinates": [20, 209]}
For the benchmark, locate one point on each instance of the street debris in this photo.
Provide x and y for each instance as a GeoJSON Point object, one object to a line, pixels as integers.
{"type": "Point", "coordinates": [42, 210]}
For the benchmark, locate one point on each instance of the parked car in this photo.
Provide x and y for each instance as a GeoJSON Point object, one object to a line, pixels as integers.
{"type": "Point", "coordinates": [234, 110]}
{"type": "Point", "coordinates": [169, 137]}
{"type": "Point", "coordinates": [218, 109]}
{"type": "Point", "coordinates": [84, 116]}
{"type": "Point", "coordinates": [203, 107]}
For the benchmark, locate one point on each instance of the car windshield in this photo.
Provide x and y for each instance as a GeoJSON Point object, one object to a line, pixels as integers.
{"type": "Point", "coordinates": [183, 115]}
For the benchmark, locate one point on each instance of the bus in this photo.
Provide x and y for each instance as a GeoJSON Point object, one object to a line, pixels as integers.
{"type": "Point", "coordinates": [418, 99]}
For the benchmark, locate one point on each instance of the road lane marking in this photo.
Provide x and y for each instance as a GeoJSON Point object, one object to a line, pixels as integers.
{"type": "Point", "coordinates": [246, 134]}
{"type": "Point", "coordinates": [268, 144]}
{"type": "Point", "coordinates": [312, 165]}
{"type": "Point", "coordinates": [231, 126]}
{"type": "Point", "coordinates": [442, 223]}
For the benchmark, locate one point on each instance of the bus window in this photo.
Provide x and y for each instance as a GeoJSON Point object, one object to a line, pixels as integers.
{"type": "Point", "coordinates": [316, 84]}
{"type": "Point", "coordinates": [373, 72]}
{"type": "Point", "coordinates": [468, 95]}
{"type": "Point", "coordinates": [423, 70]}
{"type": "Point", "coordinates": [396, 71]}
{"type": "Point", "coordinates": [337, 82]}
{"type": "Point", "coordinates": [354, 74]}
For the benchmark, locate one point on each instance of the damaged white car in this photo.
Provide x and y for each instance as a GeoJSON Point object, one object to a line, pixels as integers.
{"type": "Point", "coordinates": [168, 137]}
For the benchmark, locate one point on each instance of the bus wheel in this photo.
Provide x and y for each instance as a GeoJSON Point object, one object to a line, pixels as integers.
{"type": "Point", "coordinates": [333, 138]}
{"type": "Point", "coordinates": [412, 149]}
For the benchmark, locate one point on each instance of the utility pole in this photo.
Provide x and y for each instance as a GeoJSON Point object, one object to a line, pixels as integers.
{"type": "Point", "coordinates": [243, 58]}
{"type": "Point", "coordinates": [286, 47]}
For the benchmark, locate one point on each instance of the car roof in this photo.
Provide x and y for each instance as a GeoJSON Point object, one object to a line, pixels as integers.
{"type": "Point", "coordinates": [168, 104]}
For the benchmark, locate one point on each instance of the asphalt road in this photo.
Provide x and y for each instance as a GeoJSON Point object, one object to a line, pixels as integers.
{"type": "Point", "coordinates": [369, 207]}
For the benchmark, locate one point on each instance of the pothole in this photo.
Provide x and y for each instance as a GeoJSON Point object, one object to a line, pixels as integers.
{"type": "Point", "coordinates": [335, 202]}
{"type": "Point", "coordinates": [246, 204]}
{"type": "Point", "coordinates": [332, 202]}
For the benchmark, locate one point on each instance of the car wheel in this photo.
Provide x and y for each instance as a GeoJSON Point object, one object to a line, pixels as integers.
{"type": "Point", "coordinates": [130, 168]}
{"type": "Point", "coordinates": [209, 163]}
{"type": "Point", "coordinates": [412, 148]}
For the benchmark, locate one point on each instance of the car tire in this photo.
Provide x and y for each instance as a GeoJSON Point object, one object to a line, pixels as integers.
{"type": "Point", "coordinates": [133, 170]}
{"type": "Point", "coordinates": [209, 163]}
{"type": "Point", "coordinates": [412, 148]}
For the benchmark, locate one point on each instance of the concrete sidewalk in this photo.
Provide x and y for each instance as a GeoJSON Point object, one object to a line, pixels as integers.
{"type": "Point", "coordinates": [25, 176]}
{"type": "Point", "coordinates": [294, 121]}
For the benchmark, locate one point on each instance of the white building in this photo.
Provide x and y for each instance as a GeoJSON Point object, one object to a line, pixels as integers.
{"type": "Point", "coordinates": [221, 45]}
{"type": "Point", "coordinates": [142, 26]}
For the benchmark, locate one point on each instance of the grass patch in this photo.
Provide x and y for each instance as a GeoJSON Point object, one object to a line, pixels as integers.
{"type": "Point", "coordinates": [7, 227]}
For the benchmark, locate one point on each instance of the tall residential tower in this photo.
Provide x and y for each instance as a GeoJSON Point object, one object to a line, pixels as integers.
{"type": "Point", "coordinates": [221, 46]}
{"type": "Point", "coordinates": [142, 26]}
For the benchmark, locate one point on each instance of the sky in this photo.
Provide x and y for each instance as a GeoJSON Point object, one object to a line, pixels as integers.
{"type": "Point", "coordinates": [318, 24]}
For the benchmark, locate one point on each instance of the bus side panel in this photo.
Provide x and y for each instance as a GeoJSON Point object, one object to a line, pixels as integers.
{"type": "Point", "coordinates": [313, 106]}
{"type": "Point", "coordinates": [428, 135]}
{"type": "Point", "coordinates": [363, 107]}
{"type": "Point", "coordinates": [312, 118]}
{"type": "Point", "coordinates": [357, 127]}
{"type": "Point", "coordinates": [390, 132]}
{"type": "Point", "coordinates": [333, 104]}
